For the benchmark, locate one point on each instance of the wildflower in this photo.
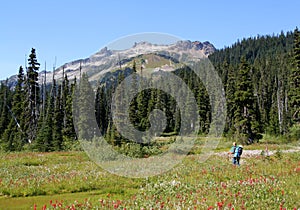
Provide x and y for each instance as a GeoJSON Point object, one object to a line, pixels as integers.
{"type": "Point", "coordinates": [223, 185]}
{"type": "Point", "coordinates": [73, 207]}
{"type": "Point", "coordinates": [220, 204]}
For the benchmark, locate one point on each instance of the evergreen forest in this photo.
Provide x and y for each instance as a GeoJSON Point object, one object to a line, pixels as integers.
{"type": "Point", "coordinates": [261, 78]}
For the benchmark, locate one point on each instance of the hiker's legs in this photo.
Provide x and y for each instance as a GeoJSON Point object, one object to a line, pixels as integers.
{"type": "Point", "coordinates": [234, 160]}
{"type": "Point", "coordinates": [238, 161]}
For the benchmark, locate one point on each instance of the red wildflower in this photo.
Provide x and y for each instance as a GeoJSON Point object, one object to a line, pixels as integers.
{"type": "Point", "coordinates": [73, 207]}
{"type": "Point", "coordinates": [223, 185]}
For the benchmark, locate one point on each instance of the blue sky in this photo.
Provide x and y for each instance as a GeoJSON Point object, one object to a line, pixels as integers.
{"type": "Point", "coordinates": [69, 30]}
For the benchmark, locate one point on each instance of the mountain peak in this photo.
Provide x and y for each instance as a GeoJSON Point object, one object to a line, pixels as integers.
{"type": "Point", "coordinates": [106, 60]}
{"type": "Point", "coordinates": [104, 52]}
{"type": "Point", "coordinates": [206, 47]}
{"type": "Point", "coordinates": [142, 44]}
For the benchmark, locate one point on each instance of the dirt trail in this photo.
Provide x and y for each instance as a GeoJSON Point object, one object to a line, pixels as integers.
{"type": "Point", "coordinates": [255, 153]}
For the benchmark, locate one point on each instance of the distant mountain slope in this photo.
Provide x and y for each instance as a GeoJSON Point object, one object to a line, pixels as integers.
{"type": "Point", "coordinates": [107, 60]}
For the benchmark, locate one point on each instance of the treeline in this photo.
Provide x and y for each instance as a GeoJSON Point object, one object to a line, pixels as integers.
{"type": "Point", "coordinates": [40, 117]}
{"type": "Point", "coordinates": [141, 106]}
{"type": "Point", "coordinates": [34, 116]}
{"type": "Point", "coordinates": [261, 77]}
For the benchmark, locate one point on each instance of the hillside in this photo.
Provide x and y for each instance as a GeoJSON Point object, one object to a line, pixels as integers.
{"type": "Point", "coordinates": [107, 60]}
{"type": "Point", "coordinates": [271, 60]}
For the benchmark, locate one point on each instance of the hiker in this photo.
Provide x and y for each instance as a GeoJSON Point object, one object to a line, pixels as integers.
{"type": "Point", "coordinates": [232, 151]}
{"type": "Point", "coordinates": [238, 153]}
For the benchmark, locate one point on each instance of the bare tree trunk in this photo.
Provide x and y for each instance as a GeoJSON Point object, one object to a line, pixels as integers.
{"type": "Point", "coordinates": [44, 91]}
{"type": "Point", "coordinates": [280, 105]}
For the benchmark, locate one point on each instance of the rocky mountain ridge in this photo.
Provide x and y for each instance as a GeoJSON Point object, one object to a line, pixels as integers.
{"type": "Point", "coordinates": [107, 60]}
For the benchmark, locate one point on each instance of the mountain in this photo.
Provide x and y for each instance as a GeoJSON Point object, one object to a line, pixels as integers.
{"type": "Point", "coordinates": [107, 60]}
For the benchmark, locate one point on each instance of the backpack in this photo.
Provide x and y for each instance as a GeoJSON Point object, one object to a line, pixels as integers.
{"type": "Point", "coordinates": [239, 151]}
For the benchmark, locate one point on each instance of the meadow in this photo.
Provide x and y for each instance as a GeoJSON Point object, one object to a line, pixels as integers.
{"type": "Point", "coordinates": [69, 180]}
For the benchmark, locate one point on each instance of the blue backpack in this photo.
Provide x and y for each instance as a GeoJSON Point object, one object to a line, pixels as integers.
{"type": "Point", "coordinates": [239, 150]}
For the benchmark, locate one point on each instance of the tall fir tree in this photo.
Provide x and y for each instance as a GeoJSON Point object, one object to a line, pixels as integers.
{"type": "Point", "coordinates": [142, 114]}
{"type": "Point", "coordinates": [244, 114]}
{"type": "Point", "coordinates": [14, 135]}
{"type": "Point", "coordinates": [5, 95]}
{"type": "Point", "coordinates": [44, 138]}
{"type": "Point", "coordinates": [101, 109]}
{"type": "Point", "coordinates": [68, 130]}
{"type": "Point", "coordinates": [85, 106]}
{"type": "Point", "coordinates": [133, 104]}
{"type": "Point", "coordinates": [32, 98]}
{"type": "Point", "coordinates": [294, 80]}
{"type": "Point", "coordinates": [58, 120]}
{"type": "Point", "coordinates": [230, 88]}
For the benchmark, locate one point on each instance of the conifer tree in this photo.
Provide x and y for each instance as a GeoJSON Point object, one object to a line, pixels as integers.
{"type": "Point", "coordinates": [3, 108]}
{"type": "Point", "coordinates": [32, 98]}
{"type": "Point", "coordinates": [100, 108]}
{"type": "Point", "coordinates": [58, 119]}
{"type": "Point", "coordinates": [119, 112]}
{"type": "Point", "coordinates": [230, 88]}
{"type": "Point", "coordinates": [14, 135]}
{"type": "Point", "coordinates": [133, 104]}
{"type": "Point", "coordinates": [5, 115]}
{"type": "Point", "coordinates": [203, 107]}
{"type": "Point", "coordinates": [68, 130]}
{"type": "Point", "coordinates": [294, 80]}
{"type": "Point", "coordinates": [44, 138]}
{"type": "Point", "coordinates": [142, 114]}
{"type": "Point", "coordinates": [244, 100]}
{"type": "Point", "coordinates": [85, 103]}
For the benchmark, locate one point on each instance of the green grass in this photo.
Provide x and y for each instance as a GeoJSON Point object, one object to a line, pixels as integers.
{"type": "Point", "coordinates": [70, 178]}
{"type": "Point", "coordinates": [25, 203]}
